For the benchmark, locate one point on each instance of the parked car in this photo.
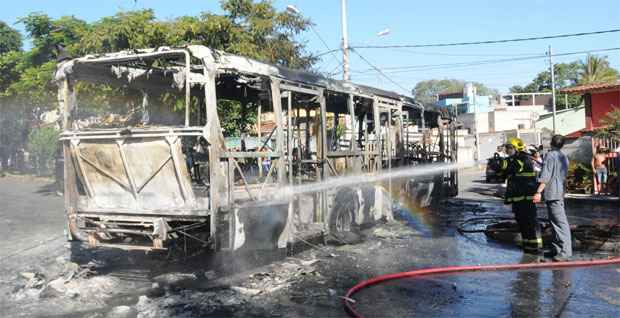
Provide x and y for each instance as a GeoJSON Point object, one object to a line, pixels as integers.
{"type": "Point", "coordinates": [492, 174]}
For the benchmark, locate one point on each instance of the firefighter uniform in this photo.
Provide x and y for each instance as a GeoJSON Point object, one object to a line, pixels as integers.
{"type": "Point", "coordinates": [519, 170]}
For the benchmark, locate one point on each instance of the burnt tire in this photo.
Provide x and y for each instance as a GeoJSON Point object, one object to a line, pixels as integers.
{"type": "Point", "coordinates": [342, 224]}
{"type": "Point", "coordinates": [74, 234]}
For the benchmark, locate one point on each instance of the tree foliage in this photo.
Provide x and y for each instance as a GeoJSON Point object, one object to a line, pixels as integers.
{"type": "Point", "coordinates": [426, 91]}
{"type": "Point", "coordinates": [245, 27]}
{"type": "Point", "coordinates": [596, 69]}
{"type": "Point", "coordinates": [611, 125]}
{"type": "Point", "coordinates": [593, 70]}
{"type": "Point", "coordinates": [10, 39]}
{"type": "Point", "coordinates": [42, 147]}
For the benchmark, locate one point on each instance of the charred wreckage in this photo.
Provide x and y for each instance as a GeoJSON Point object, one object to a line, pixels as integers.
{"type": "Point", "coordinates": [166, 175]}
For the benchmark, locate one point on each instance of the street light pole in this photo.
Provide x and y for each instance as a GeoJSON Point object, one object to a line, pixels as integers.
{"type": "Point", "coordinates": [477, 136]}
{"type": "Point", "coordinates": [552, 87]}
{"type": "Point", "coordinates": [345, 42]}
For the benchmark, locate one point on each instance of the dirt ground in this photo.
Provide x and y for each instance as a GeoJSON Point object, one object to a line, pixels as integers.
{"type": "Point", "coordinates": [42, 275]}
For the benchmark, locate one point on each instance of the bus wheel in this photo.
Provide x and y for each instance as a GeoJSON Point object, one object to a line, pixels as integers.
{"type": "Point", "coordinates": [342, 217]}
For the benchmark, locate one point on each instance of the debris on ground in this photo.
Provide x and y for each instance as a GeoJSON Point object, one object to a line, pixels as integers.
{"type": "Point", "coordinates": [175, 279]}
{"type": "Point", "coordinates": [34, 279]}
{"type": "Point", "coordinates": [392, 231]}
{"type": "Point", "coordinates": [122, 312]}
{"type": "Point", "coordinates": [210, 275]}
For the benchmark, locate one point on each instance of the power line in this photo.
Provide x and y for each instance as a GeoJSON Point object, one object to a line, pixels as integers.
{"type": "Point", "coordinates": [534, 38]}
{"type": "Point", "coordinates": [325, 44]}
{"type": "Point", "coordinates": [413, 68]}
{"type": "Point", "coordinates": [379, 71]}
{"type": "Point", "coordinates": [461, 55]}
{"type": "Point", "coordinates": [490, 41]}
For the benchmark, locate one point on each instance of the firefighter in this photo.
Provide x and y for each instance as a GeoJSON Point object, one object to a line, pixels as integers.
{"type": "Point", "coordinates": [519, 170]}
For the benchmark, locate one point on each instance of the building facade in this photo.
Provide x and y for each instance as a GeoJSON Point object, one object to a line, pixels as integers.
{"type": "Point", "coordinates": [599, 100]}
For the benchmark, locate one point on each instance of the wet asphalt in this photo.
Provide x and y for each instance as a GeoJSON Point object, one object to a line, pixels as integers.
{"type": "Point", "coordinates": [423, 237]}
{"type": "Point", "coordinates": [575, 292]}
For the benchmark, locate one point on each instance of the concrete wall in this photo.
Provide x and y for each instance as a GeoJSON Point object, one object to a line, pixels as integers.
{"type": "Point", "coordinates": [578, 149]}
{"type": "Point", "coordinates": [489, 143]}
{"type": "Point", "coordinates": [567, 121]}
{"type": "Point", "coordinates": [468, 122]}
{"type": "Point", "coordinates": [491, 140]}
{"type": "Point", "coordinates": [504, 119]}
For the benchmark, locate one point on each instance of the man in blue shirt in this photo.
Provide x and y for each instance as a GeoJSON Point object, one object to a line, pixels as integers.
{"type": "Point", "coordinates": [551, 179]}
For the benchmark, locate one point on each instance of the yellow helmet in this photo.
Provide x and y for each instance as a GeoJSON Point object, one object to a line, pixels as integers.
{"type": "Point", "coordinates": [516, 143]}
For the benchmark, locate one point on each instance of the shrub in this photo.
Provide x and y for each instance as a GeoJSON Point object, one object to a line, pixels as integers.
{"type": "Point", "coordinates": [42, 147]}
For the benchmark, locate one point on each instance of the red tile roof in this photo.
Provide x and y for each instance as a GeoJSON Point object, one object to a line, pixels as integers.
{"type": "Point", "coordinates": [591, 87]}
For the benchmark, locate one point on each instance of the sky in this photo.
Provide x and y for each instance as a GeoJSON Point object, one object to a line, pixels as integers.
{"type": "Point", "coordinates": [409, 22]}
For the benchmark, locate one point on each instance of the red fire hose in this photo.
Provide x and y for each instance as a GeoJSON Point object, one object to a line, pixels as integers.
{"type": "Point", "coordinates": [348, 303]}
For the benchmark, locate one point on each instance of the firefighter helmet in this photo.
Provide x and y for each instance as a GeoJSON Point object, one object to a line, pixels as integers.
{"type": "Point", "coordinates": [516, 143]}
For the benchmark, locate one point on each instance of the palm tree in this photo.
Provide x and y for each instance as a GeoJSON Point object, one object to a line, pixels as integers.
{"type": "Point", "coordinates": [596, 69]}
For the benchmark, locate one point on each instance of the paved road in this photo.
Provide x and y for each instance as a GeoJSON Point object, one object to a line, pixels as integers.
{"type": "Point", "coordinates": [33, 223]}
{"type": "Point", "coordinates": [31, 214]}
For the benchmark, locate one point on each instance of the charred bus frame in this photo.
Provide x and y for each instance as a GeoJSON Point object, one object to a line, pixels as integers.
{"type": "Point", "coordinates": [130, 186]}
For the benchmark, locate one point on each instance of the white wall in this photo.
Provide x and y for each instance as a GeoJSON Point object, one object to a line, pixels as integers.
{"type": "Point", "coordinates": [468, 122]}
{"type": "Point", "coordinates": [567, 121]}
{"type": "Point", "coordinates": [501, 119]}
{"type": "Point", "coordinates": [511, 119]}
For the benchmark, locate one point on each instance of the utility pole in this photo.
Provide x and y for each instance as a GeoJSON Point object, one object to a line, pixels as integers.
{"type": "Point", "coordinates": [552, 87]}
{"type": "Point", "coordinates": [477, 136]}
{"type": "Point", "coordinates": [345, 43]}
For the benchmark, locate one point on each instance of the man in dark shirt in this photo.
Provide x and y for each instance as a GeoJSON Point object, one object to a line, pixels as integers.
{"type": "Point", "coordinates": [551, 179]}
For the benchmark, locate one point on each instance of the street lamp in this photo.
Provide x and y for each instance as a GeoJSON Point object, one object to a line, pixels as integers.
{"type": "Point", "coordinates": [292, 9]}
{"type": "Point", "coordinates": [383, 33]}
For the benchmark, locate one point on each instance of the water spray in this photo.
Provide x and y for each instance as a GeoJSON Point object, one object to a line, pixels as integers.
{"type": "Point", "coordinates": [356, 180]}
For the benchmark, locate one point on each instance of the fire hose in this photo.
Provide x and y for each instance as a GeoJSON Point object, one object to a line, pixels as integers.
{"type": "Point", "coordinates": [348, 301]}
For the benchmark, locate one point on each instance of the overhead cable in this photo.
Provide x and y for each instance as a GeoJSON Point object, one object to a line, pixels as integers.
{"type": "Point", "coordinates": [380, 72]}
{"type": "Point", "coordinates": [425, 67]}
{"type": "Point", "coordinates": [532, 38]}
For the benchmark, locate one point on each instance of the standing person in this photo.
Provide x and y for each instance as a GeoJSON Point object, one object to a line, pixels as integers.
{"type": "Point", "coordinates": [536, 157]}
{"type": "Point", "coordinates": [552, 177]}
{"type": "Point", "coordinates": [519, 171]}
{"type": "Point", "coordinates": [618, 171]}
{"type": "Point", "coordinates": [600, 170]}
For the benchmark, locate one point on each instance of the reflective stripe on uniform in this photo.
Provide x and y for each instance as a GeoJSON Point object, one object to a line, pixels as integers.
{"type": "Point", "coordinates": [530, 243]}
{"type": "Point", "coordinates": [526, 174]}
{"type": "Point", "coordinates": [521, 198]}
{"type": "Point", "coordinates": [534, 241]}
{"type": "Point", "coordinates": [504, 164]}
{"type": "Point", "coordinates": [520, 165]}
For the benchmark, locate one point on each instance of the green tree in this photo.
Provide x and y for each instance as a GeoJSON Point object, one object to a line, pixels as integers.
{"type": "Point", "coordinates": [596, 69]}
{"type": "Point", "coordinates": [245, 27]}
{"type": "Point", "coordinates": [42, 147]}
{"type": "Point", "coordinates": [566, 75]}
{"type": "Point", "coordinates": [10, 39]}
{"type": "Point", "coordinates": [611, 124]}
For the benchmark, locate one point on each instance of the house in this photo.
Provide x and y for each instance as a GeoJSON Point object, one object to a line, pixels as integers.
{"type": "Point", "coordinates": [599, 99]}
{"type": "Point", "coordinates": [464, 102]}
{"type": "Point", "coordinates": [540, 99]}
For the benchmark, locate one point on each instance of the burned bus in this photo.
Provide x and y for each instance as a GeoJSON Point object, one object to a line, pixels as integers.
{"type": "Point", "coordinates": [160, 170]}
